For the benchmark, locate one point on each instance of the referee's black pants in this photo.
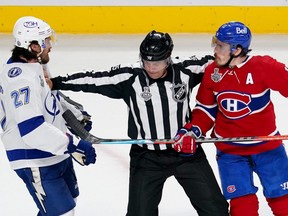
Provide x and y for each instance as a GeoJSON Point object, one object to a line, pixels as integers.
{"type": "Point", "coordinates": [149, 170]}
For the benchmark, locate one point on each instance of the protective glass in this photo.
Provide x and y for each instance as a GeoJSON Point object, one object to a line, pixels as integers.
{"type": "Point", "coordinates": [155, 65]}
{"type": "Point", "coordinates": [50, 41]}
{"type": "Point", "coordinates": [219, 46]}
{"type": "Point", "coordinates": [53, 37]}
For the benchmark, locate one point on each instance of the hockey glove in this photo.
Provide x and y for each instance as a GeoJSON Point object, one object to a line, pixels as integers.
{"type": "Point", "coordinates": [87, 151]}
{"type": "Point", "coordinates": [86, 121]}
{"type": "Point", "coordinates": [185, 139]}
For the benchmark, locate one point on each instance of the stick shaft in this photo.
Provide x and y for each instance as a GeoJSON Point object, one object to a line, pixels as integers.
{"type": "Point", "coordinates": [201, 140]}
{"type": "Point", "coordinates": [83, 134]}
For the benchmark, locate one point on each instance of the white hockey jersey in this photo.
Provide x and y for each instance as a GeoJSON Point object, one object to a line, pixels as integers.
{"type": "Point", "coordinates": [31, 118]}
{"type": "Point", "coordinates": [64, 104]}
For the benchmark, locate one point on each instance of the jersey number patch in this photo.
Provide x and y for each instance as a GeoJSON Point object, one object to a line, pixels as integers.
{"type": "Point", "coordinates": [21, 96]}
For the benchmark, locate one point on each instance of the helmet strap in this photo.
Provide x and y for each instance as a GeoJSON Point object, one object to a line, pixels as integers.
{"type": "Point", "coordinates": [229, 61]}
{"type": "Point", "coordinates": [233, 56]}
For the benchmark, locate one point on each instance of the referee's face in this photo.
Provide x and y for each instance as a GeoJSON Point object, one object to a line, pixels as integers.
{"type": "Point", "coordinates": [156, 69]}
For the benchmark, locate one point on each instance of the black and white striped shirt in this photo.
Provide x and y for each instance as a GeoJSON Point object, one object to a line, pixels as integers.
{"type": "Point", "coordinates": [157, 108]}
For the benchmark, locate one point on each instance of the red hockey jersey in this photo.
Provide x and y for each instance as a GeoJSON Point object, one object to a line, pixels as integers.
{"type": "Point", "coordinates": [236, 102]}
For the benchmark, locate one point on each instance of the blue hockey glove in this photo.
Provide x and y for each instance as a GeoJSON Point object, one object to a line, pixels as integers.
{"type": "Point", "coordinates": [83, 147]}
{"type": "Point", "coordinates": [86, 121]}
{"type": "Point", "coordinates": [185, 139]}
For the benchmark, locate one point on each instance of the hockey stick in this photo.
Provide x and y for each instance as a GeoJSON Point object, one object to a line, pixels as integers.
{"type": "Point", "coordinates": [69, 100]}
{"type": "Point", "coordinates": [83, 134]}
{"type": "Point", "coordinates": [72, 121]}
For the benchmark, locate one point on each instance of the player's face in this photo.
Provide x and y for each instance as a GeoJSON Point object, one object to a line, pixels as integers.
{"type": "Point", "coordinates": [221, 52]}
{"type": "Point", "coordinates": [45, 51]}
{"type": "Point", "coordinates": [156, 69]}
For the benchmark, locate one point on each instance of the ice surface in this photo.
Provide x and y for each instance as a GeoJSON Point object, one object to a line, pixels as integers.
{"type": "Point", "coordinates": [104, 186]}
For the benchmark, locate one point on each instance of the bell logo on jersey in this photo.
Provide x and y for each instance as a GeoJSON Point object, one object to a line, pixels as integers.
{"type": "Point", "coordinates": [234, 105]}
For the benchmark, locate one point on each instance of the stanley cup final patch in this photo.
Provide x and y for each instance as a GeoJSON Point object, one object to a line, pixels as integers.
{"type": "Point", "coordinates": [216, 76]}
{"type": "Point", "coordinates": [146, 94]}
{"type": "Point", "coordinates": [179, 92]}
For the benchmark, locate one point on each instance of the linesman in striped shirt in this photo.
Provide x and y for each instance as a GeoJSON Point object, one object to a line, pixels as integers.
{"type": "Point", "coordinates": [157, 91]}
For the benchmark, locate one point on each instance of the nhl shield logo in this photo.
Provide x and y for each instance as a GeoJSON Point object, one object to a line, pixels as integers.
{"type": "Point", "coordinates": [216, 76]}
{"type": "Point", "coordinates": [179, 92]}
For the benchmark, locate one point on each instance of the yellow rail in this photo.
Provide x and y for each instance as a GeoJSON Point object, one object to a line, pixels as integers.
{"type": "Point", "coordinates": [141, 19]}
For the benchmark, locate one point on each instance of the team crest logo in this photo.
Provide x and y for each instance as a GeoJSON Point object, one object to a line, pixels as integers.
{"type": "Point", "coordinates": [216, 76]}
{"type": "Point", "coordinates": [14, 72]}
{"type": "Point", "coordinates": [231, 189]}
{"type": "Point", "coordinates": [146, 94]}
{"type": "Point", "coordinates": [234, 105]}
{"type": "Point", "coordinates": [51, 106]}
{"type": "Point", "coordinates": [179, 92]}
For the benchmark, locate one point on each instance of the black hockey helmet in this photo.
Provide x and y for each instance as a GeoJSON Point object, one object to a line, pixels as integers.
{"type": "Point", "coordinates": [156, 46]}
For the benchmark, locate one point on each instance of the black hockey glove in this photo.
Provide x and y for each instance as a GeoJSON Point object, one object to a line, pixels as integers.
{"type": "Point", "coordinates": [86, 122]}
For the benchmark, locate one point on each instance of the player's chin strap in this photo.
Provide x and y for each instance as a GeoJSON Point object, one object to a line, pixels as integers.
{"type": "Point", "coordinates": [229, 61]}
{"type": "Point", "coordinates": [232, 56]}
{"type": "Point", "coordinates": [85, 135]}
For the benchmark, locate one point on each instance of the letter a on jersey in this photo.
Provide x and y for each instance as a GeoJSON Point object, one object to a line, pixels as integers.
{"type": "Point", "coordinates": [249, 79]}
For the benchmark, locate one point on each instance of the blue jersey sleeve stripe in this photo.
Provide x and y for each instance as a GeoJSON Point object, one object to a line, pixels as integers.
{"type": "Point", "coordinates": [3, 122]}
{"type": "Point", "coordinates": [29, 125]}
{"type": "Point", "coordinates": [21, 154]}
{"type": "Point", "coordinates": [258, 103]}
{"type": "Point", "coordinates": [210, 111]}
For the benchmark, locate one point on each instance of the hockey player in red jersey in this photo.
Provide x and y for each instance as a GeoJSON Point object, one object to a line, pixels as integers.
{"type": "Point", "coordinates": [234, 100]}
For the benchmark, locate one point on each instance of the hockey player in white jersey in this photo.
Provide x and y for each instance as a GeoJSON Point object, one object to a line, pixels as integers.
{"type": "Point", "coordinates": [34, 131]}
{"type": "Point", "coordinates": [23, 34]}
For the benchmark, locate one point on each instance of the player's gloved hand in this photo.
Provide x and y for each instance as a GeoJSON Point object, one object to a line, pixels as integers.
{"type": "Point", "coordinates": [86, 150]}
{"type": "Point", "coordinates": [185, 139]}
{"type": "Point", "coordinates": [86, 121]}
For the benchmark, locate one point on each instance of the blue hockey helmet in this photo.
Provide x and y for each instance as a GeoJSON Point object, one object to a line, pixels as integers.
{"type": "Point", "coordinates": [235, 34]}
